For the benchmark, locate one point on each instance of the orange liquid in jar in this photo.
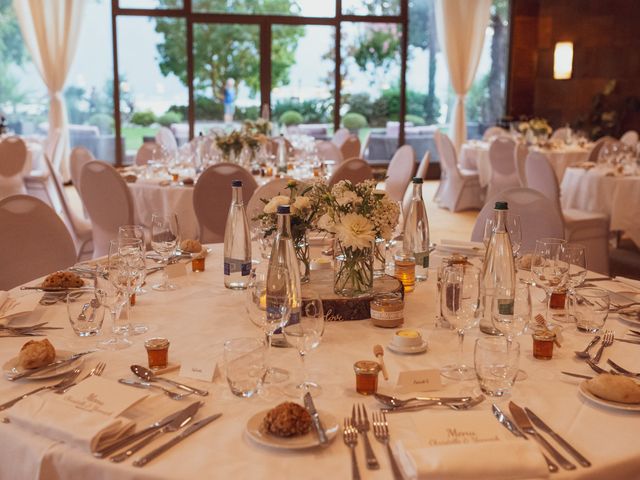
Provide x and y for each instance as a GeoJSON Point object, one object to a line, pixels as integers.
{"type": "Point", "coordinates": [405, 271]}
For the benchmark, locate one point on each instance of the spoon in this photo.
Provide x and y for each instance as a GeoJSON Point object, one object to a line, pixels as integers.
{"type": "Point", "coordinates": [149, 376]}
{"type": "Point", "coordinates": [472, 402]}
{"type": "Point", "coordinates": [398, 402]}
{"type": "Point", "coordinates": [168, 393]}
{"type": "Point", "coordinates": [585, 353]}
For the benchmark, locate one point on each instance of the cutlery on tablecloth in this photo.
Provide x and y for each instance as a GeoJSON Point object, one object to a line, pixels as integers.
{"type": "Point", "coordinates": [50, 366]}
{"type": "Point", "coordinates": [350, 437]}
{"type": "Point", "coordinates": [150, 376]}
{"type": "Point", "coordinates": [381, 432]}
{"type": "Point", "coordinates": [607, 340]}
{"type": "Point", "coordinates": [398, 402]}
{"type": "Point", "coordinates": [598, 369]}
{"type": "Point", "coordinates": [622, 370]}
{"type": "Point", "coordinates": [141, 462]}
{"type": "Point", "coordinates": [148, 385]}
{"type": "Point", "coordinates": [361, 422]}
{"type": "Point", "coordinates": [464, 405]}
{"type": "Point", "coordinates": [66, 380]}
{"type": "Point", "coordinates": [625, 340]}
{"type": "Point", "coordinates": [523, 422]}
{"type": "Point", "coordinates": [577, 375]}
{"type": "Point", "coordinates": [95, 372]}
{"type": "Point", "coordinates": [315, 419]}
{"type": "Point", "coordinates": [585, 353]}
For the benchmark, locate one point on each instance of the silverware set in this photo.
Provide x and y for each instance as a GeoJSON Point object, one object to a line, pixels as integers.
{"type": "Point", "coordinates": [381, 432]}
{"type": "Point", "coordinates": [397, 405]}
{"type": "Point", "coordinates": [360, 420]}
{"type": "Point", "coordinates": [66, 381]}
{"type": "Point", "coordinates": [26, 331]}
{"type": "Point", "coordinates": [607, 341]}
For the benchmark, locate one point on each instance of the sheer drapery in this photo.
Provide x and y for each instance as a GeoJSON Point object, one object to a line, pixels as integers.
{"type": "Point", "coordinates": [461, 29]}
{"type": "Point", "coordinates": [50, 29]}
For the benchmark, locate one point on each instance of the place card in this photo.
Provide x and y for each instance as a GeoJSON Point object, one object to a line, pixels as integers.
{"type": "Point", "coordinates": [199, 367]}
{"type": "Point", "coordinates": [419, 381]}
{"type": "Point", "coordinates": [102, 396]}
{"type": "Point", "coordinates": [176, 270]}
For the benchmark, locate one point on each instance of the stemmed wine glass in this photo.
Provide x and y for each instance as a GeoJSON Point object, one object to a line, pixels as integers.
{"type": "Point", "coordinates": [303, 330]}
{"type": "Point", "coordinates": [134, 231]}
{"type": "Point", "coordinates": [132, 254]}
{"type": "Point", "coordinates": [576, 257]}
{"type": "Point", "coordinates": [461, 308]}
{"type": "Point", "coordinates": [549, 266]}
{"type": "Point", "coordinates": [164, 241]}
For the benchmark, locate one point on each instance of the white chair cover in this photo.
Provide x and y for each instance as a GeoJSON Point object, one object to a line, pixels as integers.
{"type": "Point", "coordinates": [630, 138]}
{"type": "Point", "coordinates": [145, 153]}
{"type": "Point", "coordinates": [423, 168]}
{"type": "Point", "coordinates": [355, 169]}
{"type": "Point", "coordinates": [422, 173]}
{"type": "Point", "coordinates": [51, 145]}
{"type": "Point", "coordinates": [503, 166]}
{"type": "Point", "coordinates": [328, 151]}
{"type": "Point", "coordinates": [350, 148]}
{"type": "Point", "coordinates": [340, 136]}
{"type": "Point", "coordinates": [594, 154]}
{"type": "Point", "coordinates": [13, 157]}
{"type": "Point", "coordinates": [561, 134]}
{"type": "Point", "coordinates": [212, 198]}
{"type": "Point", "coordinates": [460, 190]}
{"type": "Point", "coordinates": [521, 153]}
{"type": "Point", "coordinates": [167, 139]}
{"type": "Point", "coordinates": [539, 218]}
{"type": "Point", "coordinates": [107, 200]}
{"type": "Point", "coordinates": [255, 206]}
{"type": "Point", "coordinates": [34, 241]}
{"type": "Point", "coordinates": [491, 132]}
{"type": "Point", "coordinates": [400, 172]}
{"type": "Point", "coordinates": [79, 157]}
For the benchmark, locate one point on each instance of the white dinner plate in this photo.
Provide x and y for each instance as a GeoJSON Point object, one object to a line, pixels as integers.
{"type": "Point", "coordinates": [584, 391]}
{"type": "Point", "coordinates": [309, 440]}
{"type": "Point", "coordinates": [11, 367]}
{"type": "Point", "coordinates": [408, 349]}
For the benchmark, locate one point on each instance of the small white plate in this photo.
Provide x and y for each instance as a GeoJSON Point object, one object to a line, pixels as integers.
{"type": "Point", "coordinates": [410, 349]}
{"type": "Point", "coordinates": [309, 440]}
{"type": "Point", "coordinates": [584, 391]}
{"type": "Point", "coordinates": [11, 367]}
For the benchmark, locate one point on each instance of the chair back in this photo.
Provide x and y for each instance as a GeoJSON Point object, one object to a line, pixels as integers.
{"type": "Point", "coordinates": [255, 205]}
{"type": "Point", "coordinates": [447, 153]}
{"type": "Point", "coordinates": [51, 143]}
{"type": "Point", "coordinates": [492, 132]}
{"type": "Point", "coordinates": [328, 151]}
{"type": "Point", "coordinates": [423, 168]}
{"type": "Point", "coordinates": [561, 134]}
{"type": "Point", "coordinates": [108, 202]}
{"type": "Point", "coordinates": [34, 241]}
{"type": "Point", "coordinates": [400, 172]}
{"type": "Point", "coordinates": [521, 153]}
{"type": "Point", "coordinates": [502, 156]}
{"type": "Point", "coordinates": [356, 170]}
{"type": "Point", "coordinates": [422, 173]}
{"type": "Point", "coordinates": [79, 157]}
{"type": "Point", "coordinates": [350, 148]}
{"type": "Point", "coordinates": [60, 202]}
{"type": "Point", "coordinates": [630, 138]}
{"type": "Point", "coordinates": [594, 154]}
{"type": "Point", "coordinates": [145, 153]}
{"type": "Point", "coordinates": [13, 156]}
{"type": "Point", "coordinates": [541, 177]}
{"type": "Point", "coordinates": [166, 139]}
{"type": "Point", "coordinates": [340, 136]}
{"type": "Point", "coordinates": [212, 198]}
{"type": "Point", "coordinates": [538, 216]}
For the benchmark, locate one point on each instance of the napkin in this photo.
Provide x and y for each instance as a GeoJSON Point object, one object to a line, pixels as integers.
{"type": "Point", "coordinates": [11, 306]}
{"type": "Point", "coordinates": [88, 416]}
{"type": "Point", "coordinates": [629, 282]}
{"type": "Point", "coordinates": [457, 246]}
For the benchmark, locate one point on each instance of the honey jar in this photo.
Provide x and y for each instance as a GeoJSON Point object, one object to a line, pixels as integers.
{"type": "Point", "coordinates": [157, 352]}
{"type": "Point", "coordinates": [197, 264]}
{"type": "Point", "coordinates": [543, 344]}
{"type": "Point", "coordinates": [387, 310]}
{"type": "Point", "coordinates": [366, 376]}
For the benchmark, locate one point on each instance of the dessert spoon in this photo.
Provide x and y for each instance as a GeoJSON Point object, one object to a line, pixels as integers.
{"type": "Point", "coordinates": [585, 353]}
{"type": "Point", "coordinates": [149, 376]}
{"type": "Point", "coordinates": [398, 402]}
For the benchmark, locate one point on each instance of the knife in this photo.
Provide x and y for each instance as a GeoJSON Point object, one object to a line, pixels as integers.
{"type": "Point", "coordinates": [141, 462]}
{"type": "Point", "coordinates": [577, 375]}
{"type": "Point", "coordinates": [52, 365]}
{"type": "Point", "coordinates": [505, 421]}
{"type": "Point", "coordinates": [105, 452]}
{"type": "Point", "coordinates": [315, 418]}
{"type": "Point", "coordinates": [521, 419]}
{"type": "Point", "coordinates": [546, 428]}
{"type": "Point", "coordinates": [637, 342]}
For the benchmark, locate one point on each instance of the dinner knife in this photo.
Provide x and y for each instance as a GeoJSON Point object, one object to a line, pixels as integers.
{"type": "Point", "coordinates": [315, 418]}
{"type": "Point", "coordinates": [521, 419]}
{"type": "Point", "coordinates": [57, 363]}
{"type": "Point", "coordinates": [141, 462]}
{"type": "Point", "coordinates": [577, 375]}
{"type": "Point", "coordinates": [105, 452]}
{"type": "Point", "coordinates": [506, 422]}
{"type": "Point", "coordinates": [637, 342]}
{"type": "Point", "coordinates": [546, 428]}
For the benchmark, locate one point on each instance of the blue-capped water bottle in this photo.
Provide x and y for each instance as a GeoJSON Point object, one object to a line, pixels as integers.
{"type": "Point", "coordinates": [237, 242]}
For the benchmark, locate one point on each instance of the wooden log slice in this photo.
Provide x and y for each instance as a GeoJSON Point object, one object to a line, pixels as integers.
{"type": "Point", "coordinates": [337, 307]}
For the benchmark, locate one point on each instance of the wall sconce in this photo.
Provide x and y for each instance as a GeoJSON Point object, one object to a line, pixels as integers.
{"type": "Point", "coordinates": [563, 61]}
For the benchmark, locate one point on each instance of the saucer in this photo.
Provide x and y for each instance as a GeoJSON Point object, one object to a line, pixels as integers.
{"type": "Point", "coordinates": [408, 350]}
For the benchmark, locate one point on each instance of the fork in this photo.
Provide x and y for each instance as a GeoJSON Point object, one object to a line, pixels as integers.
{"type": "Point", "coordinates": [350, 437]}
{"type": "Point", "coordinates": [95, 371]}
{"type": "Point", "coordinates": [66, 380]}
{"type": "Point", "coordinates": [381, 432]}
{"type": "Point", "coordinates": [361, 422]}
{"type": "Point", "coordinates": [607, 340]}
{"type": "Point", "coordinates": [622, 370]}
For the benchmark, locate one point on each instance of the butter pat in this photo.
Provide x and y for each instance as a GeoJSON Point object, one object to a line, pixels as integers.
{"type": "Point", "coordinates": [407, 338]}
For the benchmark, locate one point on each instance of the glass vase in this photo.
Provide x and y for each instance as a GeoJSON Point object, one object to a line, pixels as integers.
{"type": "Point", "coordinates": [353, 271]}
{"type": "Point", "coordinates": [303, 254]}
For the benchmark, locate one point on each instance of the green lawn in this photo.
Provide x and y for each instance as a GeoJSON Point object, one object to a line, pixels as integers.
{"type": "Point", "coordinates": [133, 135]}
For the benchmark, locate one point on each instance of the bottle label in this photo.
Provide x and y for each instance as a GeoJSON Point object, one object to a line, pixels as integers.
{"type": "Point", "coordinates": [380, 315]}
{"type": "Point", "coordinates": [236, 266]}
{"type": "Point", "coordinates": [422, 259]}
{"type": "Point", "coordinates": [505, 306]}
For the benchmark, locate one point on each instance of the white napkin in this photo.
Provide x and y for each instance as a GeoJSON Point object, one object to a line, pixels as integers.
{"type": "Point", "coordinates": [500, 460]}
{"type": "Point", "coordinates": [458, 246]}
{"type": "Point", "coordinates": [10, 305]}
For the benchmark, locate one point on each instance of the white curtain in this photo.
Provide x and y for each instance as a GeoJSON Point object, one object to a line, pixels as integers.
{"type": "Point", "coordinates": [50, 29]}
{"type": "Point", "coordinates": [461, 27]}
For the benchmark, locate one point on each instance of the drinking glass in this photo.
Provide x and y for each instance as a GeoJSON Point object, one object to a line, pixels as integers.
{"type": "Point", "coordinates": [549, 267]}
{"type": "Point", "coordinates": [114, 293]}
{"type": "Point", "coordinates": [303, 330]}
{"type": "Point", "coordinates": [512, 322]}
{"type": "Point", "coordinates": [244, 365]}
{"type": "Point", "coordinates": [591, 309]}
{"type": "Point", "coordinates": [461, 308]}
{"type": "Point", "coordinates": [164, 241]}
{"type": "Point", "coordinates": [496, 364]}
{"type": "Point", "coordinates": [134, 231]}
{"type": "Point", "coordinates": [132, 254]}
{"type": "Point", "coordinates": [86, 312]}
{"type": "Point", "coordinates": [576, 256]}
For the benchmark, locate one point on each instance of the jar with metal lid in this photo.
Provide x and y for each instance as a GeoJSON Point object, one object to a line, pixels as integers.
{"type": "Point", "coordinates": [366, 376]}
{"type": "Point", "coordinates": [157, 352]}
{"type": "Point", "coordinates": [543, 341]}
{"type": "Point", "coordinates": [387, 309]}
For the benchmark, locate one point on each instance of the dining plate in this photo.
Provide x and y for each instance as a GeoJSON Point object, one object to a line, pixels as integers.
{"type": "Point", "coordinates": [11, 367]}
{"type": "Point", "coordinates": [408, 349]}
{"type": "Point", "coordinates": [584, 391]}
{"type": "Point", "coordinates": [309, 440]}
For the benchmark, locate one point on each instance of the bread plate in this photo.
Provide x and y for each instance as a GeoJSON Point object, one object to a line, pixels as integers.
{"type": "Point", "coordinates": [11, 366]}
{"type": "Point", "coordinates": [583, 389]}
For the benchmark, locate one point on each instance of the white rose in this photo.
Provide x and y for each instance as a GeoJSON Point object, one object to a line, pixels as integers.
{"type": "Point", "coordinates": [348, 197]}
{"type": "Point", "coordinates": [275, 202]}
{"type": "Point", "coordinates": [301, 203]}
{"type": "Point", "coordinates": [325, 222]}
{"type": "Point", "coordinates": [355, 231]}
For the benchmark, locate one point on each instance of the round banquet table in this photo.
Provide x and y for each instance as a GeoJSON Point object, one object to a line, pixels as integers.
{"type": "Point", "coordinates": [201, 314]}
{"type": "Point", "coordinates": [596, 191]}
{"type": "Point", "coordinates": [474, 155]}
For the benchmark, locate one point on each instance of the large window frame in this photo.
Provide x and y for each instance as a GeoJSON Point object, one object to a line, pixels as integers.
{"type": "Point", "coordinates": [265, 23]}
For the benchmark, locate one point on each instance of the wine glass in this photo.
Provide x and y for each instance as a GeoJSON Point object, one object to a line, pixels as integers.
{"type": "Point", "coordinates": [461, 308]}
{"type": "Point", "coordinates": [549, 266]}
{"type": "Point", "coordinates": [576, 256]}
{"type": "Point", "coordinates": [131, 251]}
{"type": "Point", "coordinates": [514, 227]}
{"type": "Point", "coordinates": [488, 231]}
{"type": "Point", "coordinates": [164, 241]}
{"type": "Point", "coordinates": [303, 330]}
{"type": "Point", "coordinates": [134, 231]}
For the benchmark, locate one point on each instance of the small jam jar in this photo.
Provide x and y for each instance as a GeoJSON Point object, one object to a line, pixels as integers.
{"type": "Point", "coordinates": [157, 352]}
{"type": "Point", "coordinates": [543, 344]}
{"type": "Point", "coordinates": [197, 264]}
{"type": "Point", "coordinates": [366, 376]}
{"type": "Point", "coordinates": [387, 310]}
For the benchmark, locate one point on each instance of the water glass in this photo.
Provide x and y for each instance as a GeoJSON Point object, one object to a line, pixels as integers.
{"type": "Point", "coordinates": [86, 312]}
{"type": "Point", "coordinates": [513, 321]}
{"type": "Point", "coordinates": [496, 364]}
{"type": "Point", "coordinates": [164, 241]}
{"type": "Point", "coordinates": [591, 308]}
{"type": "Point", "coordinates": [245, 365]}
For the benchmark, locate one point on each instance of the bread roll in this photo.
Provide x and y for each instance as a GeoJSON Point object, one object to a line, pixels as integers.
{"type": "Point", "coordinates": [62, 280]}
{"type": "Point", "coordinates": [34, 354]}
{"type": "Point", "coordinates": [191, 246]}
{"type": "Point", "coordinates": [287, 420]}
{"type": "Point", "coordinates": [616, 388]}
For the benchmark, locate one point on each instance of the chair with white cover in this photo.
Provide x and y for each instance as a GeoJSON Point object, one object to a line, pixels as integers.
{"type": "Point", "coordinates": [212, 198]}
{"type": "Point", "coordinates": [594, 154]}
{"type": "Point", "coordinates": [13, 157]}
{"type": "Point", "coordinates": [460, 189]}
{"type": "Point", "coordinates": [492, 132]}
{"type": "Point", "coordinates": [630, 138]}
{"type": "Point", "coordinates": [107, 200]}
{"type": "Point", "coordinates": [421, 172]}
{"type": "Point", "coordinates": [79, 157]}
{"type": "Point", "coordinates": [503, 166]}
{"type": "Point", "coordinates": [255, 205]}
{"type": "Point", "coordinates": [166, 139]}
{"type": "Point", "coordinates": [340, 136]}
{"type": "Point", "coordinates": [350, 148]}
{"type": "Point", "coordinates": [400, 172]}
{"type": "Point", "coordinates": [145, 153]}
{"type": "Point", "coordinates": [561, 134]}
{"type": "Point", "coordinates": [38, 182]}
{"type": "Point", "coordinates": [355, 170]}
{"type": "Point", "coordinates": [587, 228]}
{"type": "Point", "coordinates": [520, 154]}
{"type": "Point", "coordinates": [538, 216]}
{"type": "Point", "coordinates": [34, 241]}
{"type": "Point", "coordinates": [328, 151]}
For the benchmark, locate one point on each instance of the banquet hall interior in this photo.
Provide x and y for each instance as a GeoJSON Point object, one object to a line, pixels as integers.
{"type": "Point", "coordinates": [243, 207]}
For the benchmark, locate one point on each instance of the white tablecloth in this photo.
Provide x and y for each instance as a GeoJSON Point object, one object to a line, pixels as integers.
{"type": "Point", "coordinates": [201, 314]}
{"type": "Point", "coordinates": [616, 196]}
{"type": "Point", "coordinates": [474, 155]}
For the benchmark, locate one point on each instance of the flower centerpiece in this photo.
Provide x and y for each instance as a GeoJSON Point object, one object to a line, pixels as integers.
{"type": "Point", "coordinates": [235, 143]}
{"type": "Point", "coordinates": [356, 215]}
{"type": "Point", "coordinates": [304, 208]}
{"type": "Point", "coordinates": [535, 128]}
